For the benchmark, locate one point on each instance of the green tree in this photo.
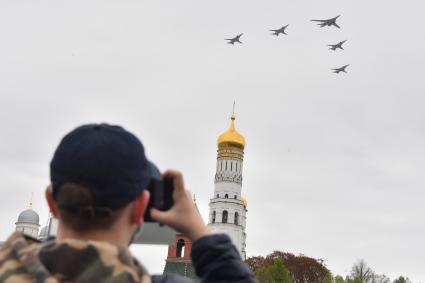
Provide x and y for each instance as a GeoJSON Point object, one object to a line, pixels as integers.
{"type": "Point", "coordinates": [264, 275]}
{"type": "Point", "coordinates": [279, 272]}
{"type": "Point", "coordinates": [339, 279]}
{"type": "Point", "coordinates": [348, 279]}
{"type": "Point", "coordinates": [402, 279]}
{"type": "Point", "coordinates": [276, 273]}
{"type": "Point", "coordinates": [329, 278]}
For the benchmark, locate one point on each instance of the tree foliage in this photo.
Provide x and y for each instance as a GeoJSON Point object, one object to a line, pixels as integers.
{"type": "Point", "coordinates": [402, 279]}
{"type": "Point", "coordinates": [279, 266]}
{"type": "Point", "coordinates": [339, 279]}
{"type": "Point", "coordinates": [276, 273]}
{"type": "Point", "coordinates": [329, 278]}
{"type": "Point", "coordinates": [301, 269]}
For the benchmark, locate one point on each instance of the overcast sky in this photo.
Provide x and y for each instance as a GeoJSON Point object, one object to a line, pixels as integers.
{"type": "Point", "coordinates": [334, 164]}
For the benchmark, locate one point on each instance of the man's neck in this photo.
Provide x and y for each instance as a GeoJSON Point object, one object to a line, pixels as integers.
{"type": "Point", "coordinates": [110, 235]}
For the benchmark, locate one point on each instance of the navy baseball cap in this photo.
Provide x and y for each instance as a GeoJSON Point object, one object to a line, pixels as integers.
{"type": "Point", "coordinates": [107, 160]}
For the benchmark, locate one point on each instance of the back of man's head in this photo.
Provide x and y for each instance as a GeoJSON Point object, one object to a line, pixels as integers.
{"type": "Point", "coordinates": [96, 171]}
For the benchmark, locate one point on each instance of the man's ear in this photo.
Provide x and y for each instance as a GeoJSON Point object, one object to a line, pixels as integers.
{"type": "Point", "coordinates": [51, 202]}
{"type": "Point", "coordinates": [139, 208]}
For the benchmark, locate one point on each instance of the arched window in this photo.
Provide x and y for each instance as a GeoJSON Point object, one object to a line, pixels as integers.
{"type": "Point", "coordinates": [224, 218]}
{"type": "Point", "coordinates": [180, 248]}
{"type": "Point", "coordinates": [213, 217]}
{"type": "Point", "coordinates": [236, 218]}
{"type": "Point", "coordinates": [235, 196]}
{"type": "Point", "coordinates": [231, 166]}
{"type": "Point", "coordinates": [218, 196]}
{"type": "Point", "coordinates": [226, 196]}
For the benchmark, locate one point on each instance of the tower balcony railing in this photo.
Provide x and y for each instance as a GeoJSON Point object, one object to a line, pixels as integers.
{"type": "Point", "coordinates": [237, 178]}
{"type": "Point", "coordinates": [226, 224]}
{"type": "Point", "coordinates": [226, 200]}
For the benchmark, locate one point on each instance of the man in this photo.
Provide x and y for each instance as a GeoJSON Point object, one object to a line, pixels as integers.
{"type": "Point", "coordinates": [99, 175]}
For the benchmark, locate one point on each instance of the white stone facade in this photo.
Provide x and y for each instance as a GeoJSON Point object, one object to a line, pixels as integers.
{"type": "Point", "coordinates": [30, 229]}
{"type": "Point", "coordinates": [227, 210]}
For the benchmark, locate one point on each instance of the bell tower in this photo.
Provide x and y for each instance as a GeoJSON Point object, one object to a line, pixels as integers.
{"type": "Point", "coordinates": [227, 206]}
{"type": "Point", "coordinates": [178, 260]}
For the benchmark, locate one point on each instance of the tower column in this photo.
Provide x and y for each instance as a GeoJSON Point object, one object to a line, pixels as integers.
{"type": "Point", "coordinates": [227, 206]}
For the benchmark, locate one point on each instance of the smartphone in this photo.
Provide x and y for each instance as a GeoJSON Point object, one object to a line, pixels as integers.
{"type": "Point", "coordinates": [161, 196]}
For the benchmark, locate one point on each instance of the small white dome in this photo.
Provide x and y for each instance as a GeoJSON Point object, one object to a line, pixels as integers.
{"type": "Point", "coordinates": [28, 216]}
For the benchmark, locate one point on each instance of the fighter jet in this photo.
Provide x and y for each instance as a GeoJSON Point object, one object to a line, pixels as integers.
{"type": "Point", "coordinates": [278, 31]}
{"type": "Point", "coordinates": [235, 39]}
{"type": "Point", "coordinates": [334, 47]}
{"type": "Point", "coordinates": [329, 22]}
{"type": "Point", "coordinates": [342, 69]}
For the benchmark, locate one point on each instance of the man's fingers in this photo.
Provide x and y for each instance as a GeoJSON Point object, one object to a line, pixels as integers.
{"type": "Point", "coordinates": [159, 216]}
{"type": "Point", "coordinates": [188, 195]}
{"type": "Point", "coordinates": [178, 180]}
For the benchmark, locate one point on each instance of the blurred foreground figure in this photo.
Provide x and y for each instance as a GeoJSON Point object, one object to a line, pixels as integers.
{"type": "Point", "coordinates": [98, 192]}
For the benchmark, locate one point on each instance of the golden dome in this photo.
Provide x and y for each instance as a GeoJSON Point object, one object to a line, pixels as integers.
{"type": "Point", "coordinates": [231, 137]}
{"type": "Point", "coordinates": [244, 201]}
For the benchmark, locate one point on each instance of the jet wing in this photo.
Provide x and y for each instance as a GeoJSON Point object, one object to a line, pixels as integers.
{"type": "Point", "coordinates": [335, 24]}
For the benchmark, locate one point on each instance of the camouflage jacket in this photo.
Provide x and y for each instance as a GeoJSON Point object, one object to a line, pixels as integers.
{"type": "Point", "coordinates": [23, 260]}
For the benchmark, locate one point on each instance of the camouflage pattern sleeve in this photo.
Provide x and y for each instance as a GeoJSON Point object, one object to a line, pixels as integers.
{"type": "Point", "coordinates": [23, 260]}
{"type": "Point", "coordinates": [19, 262]}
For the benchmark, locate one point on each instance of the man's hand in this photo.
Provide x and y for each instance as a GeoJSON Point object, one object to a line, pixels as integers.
{"type": "Point", "coordinates": [183, 216]}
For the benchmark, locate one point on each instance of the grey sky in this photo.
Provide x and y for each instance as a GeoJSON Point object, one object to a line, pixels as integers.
{"type": "Point", "coordinates": [334, 165]}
